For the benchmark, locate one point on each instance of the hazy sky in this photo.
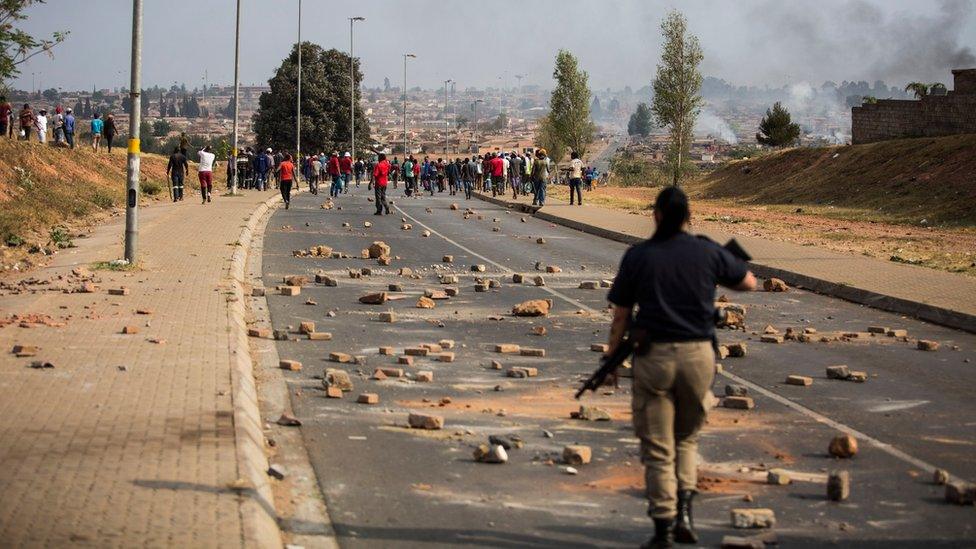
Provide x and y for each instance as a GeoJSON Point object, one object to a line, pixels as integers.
{"type": "Point", "coordinates": [485, 43]}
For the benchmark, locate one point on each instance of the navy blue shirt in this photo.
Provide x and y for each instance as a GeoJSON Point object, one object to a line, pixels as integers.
{"type": "Point", "coordinates": [672, 282]}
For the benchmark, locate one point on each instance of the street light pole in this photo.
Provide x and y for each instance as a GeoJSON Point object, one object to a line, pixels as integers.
{"type": "Point", "coordinates": [298, 100]}
{"type": "Point", "coordinates": [352, 90]}
{"type": "Point", "coordinates": [447, 135]}
{"type": "Point", "coordinates": [237, 89]}
{"type": "Point", "coordinates": [405, 57]}
{"type": "Point", "coordinates": [474, 130]}
{"type": "Point", "coordinates": [132, 156]}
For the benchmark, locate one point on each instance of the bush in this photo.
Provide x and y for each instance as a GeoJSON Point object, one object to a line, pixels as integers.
{"type": "Point", "coordinates": [59, 237]}
{"type": "Point", "coordinates": [103, 199]}
{"type": "Point", "coordinates": [151, 188]}
{"type": "Point", "coordinates": [629, 170]}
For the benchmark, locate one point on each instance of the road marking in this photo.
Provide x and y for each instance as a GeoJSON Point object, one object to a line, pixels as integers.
{"type": "Point", "coordinates": [820, 418]}
{"type": "Point", "coordinates": [816, 416]}
{"type": "Point", "coordinates": [505, 269]}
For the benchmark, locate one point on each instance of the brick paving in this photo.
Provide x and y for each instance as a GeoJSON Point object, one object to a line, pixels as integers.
{"type": "Point", "coordinates": [94, 455]}
{"type": "Point", "coordinates": [917, 285]}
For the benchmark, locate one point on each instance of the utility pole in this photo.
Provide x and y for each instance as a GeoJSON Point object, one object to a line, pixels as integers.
{"type": "Point", "coordinates": [405, 57]}
{"type": "Point", "coordinates": [474, 128]}
{"type": "Point", "coordinates": [446, 135]}
{"type": "Point", "coordinates": [132, 157]}
{"type": "Point", "coordinates": [298, 100]}
{"type": "Point", "coordinates": [237, 90]}
{"type": "Point", "coordinates": [352, 90]}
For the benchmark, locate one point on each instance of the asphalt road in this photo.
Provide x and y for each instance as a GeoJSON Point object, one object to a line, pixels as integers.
{"type": "Point", "coordinates": [387, 485]}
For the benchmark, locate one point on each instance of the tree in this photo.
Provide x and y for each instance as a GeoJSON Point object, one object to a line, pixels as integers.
{"type": "Point", "coordinates": [325, 103]}
{"type": "Point", "coordinates": [51, 94]}
{"type": "Point", "coordinates": [777, 129]}
{"type": "Point", "coordinates": [162, 105]}
{"type": "Point", "coordinates": [16, 45]}
{"type": "Point", "coordinates": [937, 88]}
{"type": "Point", "coordinates": [920, 89]}
{"type": "Point", "coordinates": [677, 88]}
{"type": "Point", "coordinates": [596, 110]}
{"type": "Point", "coordinates": [569, 105]}
{"type": "Point", "coordinates": [641, 122]}
{"type": "Point", "coordinates": [547, 138]}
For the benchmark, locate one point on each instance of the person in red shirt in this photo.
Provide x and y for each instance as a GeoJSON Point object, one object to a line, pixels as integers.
{"type": "Point", "coordinates": [416, 177]}
{"type": "Point", "coordinates": [381, 178]}
{"type": "Point", "coordinates": [497, 174]}
{"type": "Point", "coordinates": [345, 166]}
{"type": "Point", "coordinates": [286, 174]}
{"type": "Point", "coordinates": [6, 116]}
{"type": "Point", "coordinates": [335, 172]}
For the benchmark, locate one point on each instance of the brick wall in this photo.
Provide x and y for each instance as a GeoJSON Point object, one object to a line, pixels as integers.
{"type": "Point", "coordinates": [932, 116]}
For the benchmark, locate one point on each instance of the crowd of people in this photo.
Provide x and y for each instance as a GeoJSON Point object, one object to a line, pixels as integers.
{"type": "Point", "coordinates": [499, 173]}
{"type": "Point", "coordinates": [62, 123]}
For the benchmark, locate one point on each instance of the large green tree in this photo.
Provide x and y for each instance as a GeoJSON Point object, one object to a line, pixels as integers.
{"type": "Point", "coordinates": [569, 105]}
{"type": "Point", "coordinates": [777, 128]}
{"type": "Point", "coordinates": [641, 122]}
{"type": "Point", "coordinates": [547, 137]}
{"type": "Point", "coordinates": [325, 103]}
{"type": "Point", "coordinates": [677, 90]}
{"type": "Point", "coordinates": [16, 45]}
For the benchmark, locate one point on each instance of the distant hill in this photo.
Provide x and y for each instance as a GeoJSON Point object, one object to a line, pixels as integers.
{"type": "Point", "coordinates": [904, 180]}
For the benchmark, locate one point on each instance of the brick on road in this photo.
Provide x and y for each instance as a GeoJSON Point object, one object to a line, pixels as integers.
{"type": "Point", "coordinates": [97, 454]}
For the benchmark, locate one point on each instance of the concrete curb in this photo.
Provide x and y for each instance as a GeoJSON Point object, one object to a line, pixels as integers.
{"type": "Point", "coordinates": [257, 506]}
{"type": "Point", "coordinates": [931, 313]}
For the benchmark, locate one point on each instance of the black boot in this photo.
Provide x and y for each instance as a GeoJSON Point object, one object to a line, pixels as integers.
{"type": "Point", "coordinates": [663, 535]}
{"type": "Point", "coordinates": [684, 527]}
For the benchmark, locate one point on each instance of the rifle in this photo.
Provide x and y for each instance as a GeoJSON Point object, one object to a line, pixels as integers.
{"type": "Point", "coordinates": [609, 364]}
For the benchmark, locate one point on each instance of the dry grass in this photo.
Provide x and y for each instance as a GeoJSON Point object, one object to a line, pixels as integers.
{"type": "Point", "coordinates": [42, 186]}
{"type": "Point", "coordinates": [901, 181]}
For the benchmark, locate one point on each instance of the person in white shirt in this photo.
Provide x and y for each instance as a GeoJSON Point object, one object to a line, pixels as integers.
{"type": "Point", "coordinates": [576, 179]}
{"type": "Point", "coordinates": [205, 172]}
{"type": "Point", "coordinates": [41, 124]}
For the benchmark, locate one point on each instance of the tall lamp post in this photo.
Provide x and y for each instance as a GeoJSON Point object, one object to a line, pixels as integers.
{"type": "Point", "coordinates": [447, 138]}
{"type": "Point", "coordinates": [405, 57]}
{"type": "Point", "coordinates": [352, 90]}
{"type": "Point", "coordinates": [474, 128]}
{"type": "Point", "coordinates": [237, 90]}
{"type": "Point", "coordinates": [132, 156]}
{"type": "Point", "coordinates": [298, 100]}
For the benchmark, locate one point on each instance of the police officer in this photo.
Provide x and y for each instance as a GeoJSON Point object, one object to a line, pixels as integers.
{"type": "Point", "coordinates": [672, 278]}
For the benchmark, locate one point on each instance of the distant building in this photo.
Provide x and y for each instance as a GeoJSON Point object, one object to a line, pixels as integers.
{"type": "Point", "coordinates": [933, 115]}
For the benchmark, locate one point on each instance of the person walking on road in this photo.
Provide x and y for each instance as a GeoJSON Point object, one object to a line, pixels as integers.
{"type": "Point", "coordinates": [345, 165]}
{"type": "Point", "coordinates": [540, 178]}
{"type": "Point", "coordinates": [26, 118]}
{"type": "Point", "coordinates": [110, 131]}
{"type": "Point", "coordinates": [97, 125]}
{"type": "Point", "coordinates": [205, 168]}
{"type": "Point", "coordinates": [453, 172]}
{"type": "Point", "coordinates": [286, 174]}
{"type": "Point", "coordinates": [515, 173]}
{"type": "Point", "coordinates": [335, 173]}
{"type": "Point", "coordinates": [314, 168]}
{"type": "Point", "coordinates": [575, 178]}
{"type": "Point", "coordinates": [672, 279]}
{"type": "Point", "coordinates": [381, 177]}
{"type": "Point", "coordinates": [416, 177]}
{"type": "Point", "coordinates": [497, 175]}
{"type": "Point", "coordinates": [395, 171]}
{"type": "Point", "coordinates": [468, 175]}
{"type": "Point", "coordinates": [177, 169]}
{"type": "Point", "coordinates": [69, 128]}
{"type": "Point", "coordinates": [262, 164]}
{"type": "Point", "coordinates": [407, 169]}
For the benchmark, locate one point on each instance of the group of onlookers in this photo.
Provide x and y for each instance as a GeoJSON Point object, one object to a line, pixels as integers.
{"type": "Point", "coordinates": [62, 122]}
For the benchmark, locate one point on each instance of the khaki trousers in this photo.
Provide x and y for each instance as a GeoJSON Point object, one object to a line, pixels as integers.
{"type": "Point", "coordinates": [670, 384]}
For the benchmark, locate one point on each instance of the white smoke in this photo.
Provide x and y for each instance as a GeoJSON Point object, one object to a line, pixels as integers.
{"type": "Point", "coordinates": [709, 123]}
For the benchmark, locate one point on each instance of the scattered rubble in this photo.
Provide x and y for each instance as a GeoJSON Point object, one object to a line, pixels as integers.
{"type": "Point", "coordinates": [753, 518]}
{"type": "Point", "coordinates": [533, 307]}
{"type": "Point", "coordinates": [775, 285]}
{"type": "Point", "coordinates": [838, 485]}
{"type": "Point", "coordinates": [494, 453]}
{"type": "Point", "coordinates": [577, 454]}
{"type": "Point", "coordinates": [425, 421]}
{"type": "Point", "coordinates": [591, 413]}
{"type": "Point", "coordinates": [843, 446]}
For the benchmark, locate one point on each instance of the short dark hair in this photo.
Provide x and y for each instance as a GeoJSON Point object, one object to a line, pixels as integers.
{"type": "Point", "coordinates": [381, 157]}
{"type": "Point", "coordinates": [574, 155]}
{"type": "Point", "coordinates": [672, 204]}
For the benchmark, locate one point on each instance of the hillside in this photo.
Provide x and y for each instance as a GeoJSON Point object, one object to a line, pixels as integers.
{"type": "Point", "coordinates": [44, 187]}
{"type": "Point", "coordinates": [902, 181]}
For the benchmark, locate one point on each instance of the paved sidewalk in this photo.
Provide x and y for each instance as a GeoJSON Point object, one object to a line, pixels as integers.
{"type": "Point", "coordinates": [127, 441]}
{"type": "Point", "coordinates": [944, 298]}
